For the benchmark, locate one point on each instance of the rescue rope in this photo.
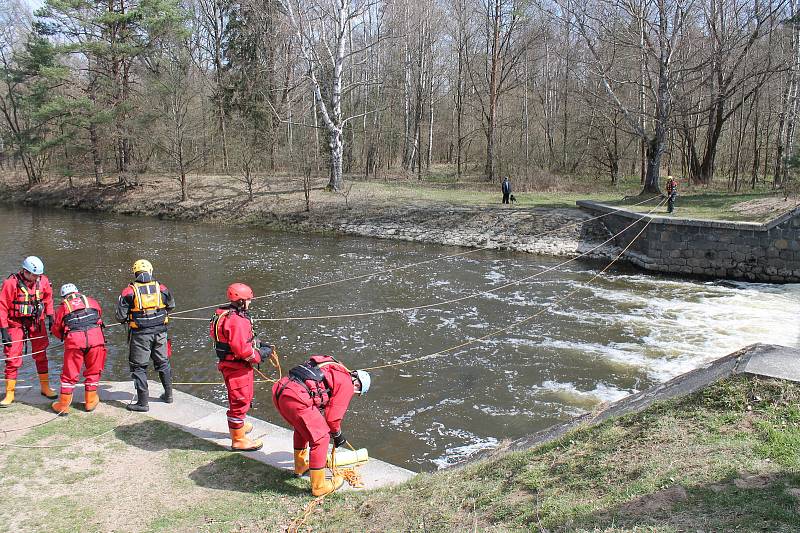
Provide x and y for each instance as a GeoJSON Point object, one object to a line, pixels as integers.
{"type": "Point", "coordinates": [350, 475]}
{"type": "Point", "coordinates": [529, 318]}
{"type": "Point", "coordinates": [395, 269]}
{"type": "Point", "coordinates": [440, 303]}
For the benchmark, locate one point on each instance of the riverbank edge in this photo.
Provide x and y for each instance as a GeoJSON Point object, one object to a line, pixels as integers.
{"type": "Point", "coordinates": [556, 232]}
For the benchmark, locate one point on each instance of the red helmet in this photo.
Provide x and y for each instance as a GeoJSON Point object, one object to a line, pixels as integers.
{"type": "Point", "coordinates": [239, 291]}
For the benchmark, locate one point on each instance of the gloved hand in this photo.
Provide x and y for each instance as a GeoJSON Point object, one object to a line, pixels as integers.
{"type": "Point", "coordinates": [338, 439]}
{"type": "Point", "coordinates": [5, 336]}
{"type": "Point", "coordinates": [50, 321]}
{"type": "Point", "coordinates": [265, 350]}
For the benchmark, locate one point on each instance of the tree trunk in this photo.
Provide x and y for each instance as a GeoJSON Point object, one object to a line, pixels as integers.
{"type": "Point", "coordinates": [337, 150]}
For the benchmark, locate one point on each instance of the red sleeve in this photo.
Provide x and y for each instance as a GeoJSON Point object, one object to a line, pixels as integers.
{"type": "Point", "coordinates": [47, 294]}
{"type": "Point", "coordinates": [7, 294]}
{"type": "Point", "coordinates": [239, 334]}
{"type": "Point", "coordinates": [342, 391]}
{"type": "Point", "coordinates": [58, 323]}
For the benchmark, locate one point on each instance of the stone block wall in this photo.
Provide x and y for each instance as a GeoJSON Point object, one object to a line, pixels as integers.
{"type": "Point", "coordinates": [735, 250]}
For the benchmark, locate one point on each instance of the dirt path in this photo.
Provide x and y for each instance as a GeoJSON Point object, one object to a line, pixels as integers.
{"type": "Point", "coordinates": [140, 475]}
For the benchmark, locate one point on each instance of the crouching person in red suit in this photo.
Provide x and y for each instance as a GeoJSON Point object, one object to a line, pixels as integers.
{"type": "Point", "coordinates": [234, 342]}
{"type": "Point", "coordinates": [78, 322]}
{"type": "Point", "coordinates": [313, 399]}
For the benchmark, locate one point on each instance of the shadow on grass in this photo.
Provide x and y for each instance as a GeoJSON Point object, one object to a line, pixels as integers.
{"type": "Point", "coordinates": [235, 472]}
{"type": "Point", "coordinates": [226, 470]}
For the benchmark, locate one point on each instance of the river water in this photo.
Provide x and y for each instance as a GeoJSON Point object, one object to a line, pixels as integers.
{"type": "Point", "coordinates": [622, 333]}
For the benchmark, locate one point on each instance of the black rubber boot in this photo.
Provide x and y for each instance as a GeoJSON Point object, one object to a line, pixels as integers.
{"type": "Point", "coordinates": [166, 380]}
{"type": "Point", "coordinates": [141, 404]}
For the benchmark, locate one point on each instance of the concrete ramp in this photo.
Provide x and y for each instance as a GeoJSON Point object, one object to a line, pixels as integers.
{"type": "Point", "coordinates": [207, 421]}
{"type": "Point", "coordinates": [757, 359]}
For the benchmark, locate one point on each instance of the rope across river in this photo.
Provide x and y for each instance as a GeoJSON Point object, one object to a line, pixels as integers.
{"type": "Point", "coordinates": [276, 363]}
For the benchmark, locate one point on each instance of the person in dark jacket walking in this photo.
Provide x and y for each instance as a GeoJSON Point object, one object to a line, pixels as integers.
{"type": "Point", "coordinates": [506, 190]}
{"type": "Point", "coordinates": [144, 306]}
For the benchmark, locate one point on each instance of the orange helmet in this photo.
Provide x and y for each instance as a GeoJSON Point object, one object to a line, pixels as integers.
{"type": "Point", "coordinates": [239, 291]}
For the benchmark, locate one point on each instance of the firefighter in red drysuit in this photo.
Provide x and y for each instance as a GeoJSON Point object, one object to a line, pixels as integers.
{"type": "Point", "coordinates": [235, 345]}
{"type": "Point", "coordinates": [78, 322]}
{"type": "Point", "coordinates": [313, 399]}
{"type": "Point", "coordinates": [26, 298]}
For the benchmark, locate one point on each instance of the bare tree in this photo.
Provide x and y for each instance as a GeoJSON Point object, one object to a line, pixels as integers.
{"type": "Point", "coordinates": [324, 31]}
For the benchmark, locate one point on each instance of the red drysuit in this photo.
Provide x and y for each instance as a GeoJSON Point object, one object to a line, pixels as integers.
{"type": "Point", "coordinates": [23, 307]}
{"type": "Point", "coordinates": [232, 332]}
{"type": "Point", "coordinates": [79, 324]}
{"type": "Point", "coordinates": [315, 417]}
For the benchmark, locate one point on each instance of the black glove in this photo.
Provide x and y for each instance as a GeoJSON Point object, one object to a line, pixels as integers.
{"type": "Point", "coordinates": [338, 439]}
{"type": "Point", "coordinates": [265, 350]}
{"type": "Point", "coordinates": [50, 321]}
{"type": "Point", "coordinates": [5, 336]}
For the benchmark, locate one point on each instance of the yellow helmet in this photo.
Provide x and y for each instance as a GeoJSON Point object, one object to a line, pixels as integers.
{"type": "Point", "coordinates": [142, 265]}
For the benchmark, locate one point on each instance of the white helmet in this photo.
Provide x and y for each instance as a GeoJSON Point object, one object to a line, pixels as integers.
{"type": "Point", "coordinates": [33, 265]}
{"type": "Point", "coordinates": [68, 288]}
{"type": "Point", "coordinates": [365, 379]}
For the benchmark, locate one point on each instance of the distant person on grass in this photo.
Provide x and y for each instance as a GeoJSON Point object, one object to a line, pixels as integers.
{"type": "Point", "coordinates": [672, 193]}
{"type": "Point", "coordinates": [506, 188]}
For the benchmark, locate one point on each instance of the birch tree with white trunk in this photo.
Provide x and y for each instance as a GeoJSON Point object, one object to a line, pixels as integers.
{"type": "Point", "coordinates": [327, 34]}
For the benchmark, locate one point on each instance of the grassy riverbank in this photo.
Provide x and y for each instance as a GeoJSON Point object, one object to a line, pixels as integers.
{"type": "Point", "coordinates": [722, 459]}
{"type": "Point", "coordinates": [280, 199]}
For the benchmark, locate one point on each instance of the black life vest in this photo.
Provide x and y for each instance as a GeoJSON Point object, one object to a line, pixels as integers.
{"type": "Point", "coordinates": [80, 315]}
{"type": "Point", "coordinates": [311, 377]}
{"type": "Point", "coordinates": [223, 348]}
{"type": "Point", "coordinates": [27, 303]}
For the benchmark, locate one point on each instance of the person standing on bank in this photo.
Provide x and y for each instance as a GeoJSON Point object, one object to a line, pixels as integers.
{"type": "Point", "coordinates": [26, 298]}
{"type": "Point", "coordinates": [506, 187]}
{"type": "Point", "coordinates": [79, 323]}
{"type": "Point", "coordinates": [672, 193]}
{"type": "Point", "coordinates": [234, 342]}
{"type": "Point", "coordinates": [144, 306]}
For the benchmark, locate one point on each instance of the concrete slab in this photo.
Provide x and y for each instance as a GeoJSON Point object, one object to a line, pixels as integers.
{"type": "Point", "coordinates": [206, 420]}
{"type": "Point", "coordinates": [775, 362]}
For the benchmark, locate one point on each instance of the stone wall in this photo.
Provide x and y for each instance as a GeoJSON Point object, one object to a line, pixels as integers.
{"type": "Point", "coordinates": [735, 250]}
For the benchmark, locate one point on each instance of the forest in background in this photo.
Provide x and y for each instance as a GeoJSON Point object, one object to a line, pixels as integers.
{"type": "Point", "coordinates": [705, 89]}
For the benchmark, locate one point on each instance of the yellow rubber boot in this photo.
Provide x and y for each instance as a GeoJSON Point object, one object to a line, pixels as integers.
{"type": "Point", "coordinates": [92, 399]}
{"type": "Point", "coordinates": [47, 392]}
{"type": "Point", "coordinates": [62, 405]}
{"type": "Point", "coordinates": [300, 462]}
{"type": "Point", "coordinates": [240, 442]}
{"type": "Point", "coordinates": [11, 385]}
{"type": "Point", "coordinates": [321, 486]}
{"type": "Point", "coordinates": [248, 427]}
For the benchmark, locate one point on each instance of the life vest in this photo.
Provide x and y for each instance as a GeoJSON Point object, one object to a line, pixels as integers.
{"type": "Point", "coordinates": [312, 378]}
{"type": "Point", "coordinates": [27, 303]}
{"type": "Point", "coordinates": [672, 187]}
{"type": "Point", "coordinates": [148, 309]}
{"type": "Point", "coordinates": [222, 347]}
{"type": "Point", "coordinates": [80, 315]}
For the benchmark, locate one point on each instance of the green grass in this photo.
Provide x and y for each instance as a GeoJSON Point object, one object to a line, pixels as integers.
{"type": "Point", "coordinates": [620, 474]}
{"type": "Point", "coordinates": [716, 206]}
{"type": "Point", "coordinates": [722, 459]}
{"type": "Point", "coordinates": [439, 187]}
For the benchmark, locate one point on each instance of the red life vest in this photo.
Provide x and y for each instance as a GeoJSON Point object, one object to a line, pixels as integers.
{"type": "Point", "coordinates": [27, 303]}
{"type": "Point", "coordinates": [80, 315]}
{"type": "Point", "coordinates": [221, 345]}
